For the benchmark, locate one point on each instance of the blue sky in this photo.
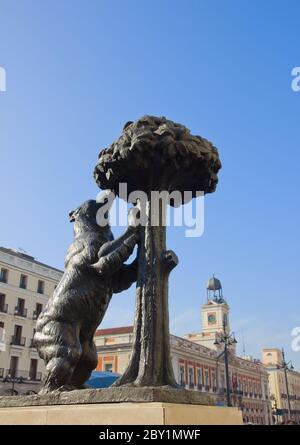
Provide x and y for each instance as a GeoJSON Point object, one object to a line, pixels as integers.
{"type": "Point", "coordinates": [77, 71]}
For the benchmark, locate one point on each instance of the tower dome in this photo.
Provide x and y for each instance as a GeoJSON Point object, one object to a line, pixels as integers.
{"type": "Point", "coordinates": [214, 284]}
{"type": "Point", "coordinates": [214, 290]}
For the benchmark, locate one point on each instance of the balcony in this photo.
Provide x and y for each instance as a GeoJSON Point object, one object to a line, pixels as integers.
{"type": "Point", "coordinates": [18, 341]}
{"type": "Point", "coordinates": [36, 314]}
{"type": "Point", "coordinates": [20, 312]}
{"type": "Point", "coordinates": [22, 376]}
{"type": "Point", "coordinates": [1, 372]}
{"type": "Point", "coordinates": [4, 308]}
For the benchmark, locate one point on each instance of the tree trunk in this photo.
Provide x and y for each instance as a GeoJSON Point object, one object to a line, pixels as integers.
{"type": "Point", "coordinates": [150, 362]}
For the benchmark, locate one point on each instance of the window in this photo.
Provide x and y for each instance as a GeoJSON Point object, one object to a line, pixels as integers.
{"type": "Point", "coordinates": [20, 308]}
{"type": "Point", "coordinates": [3, 275]}
{"type": "Point", "coordinates": [3, 306]}
{"type": "Point", "coordinates": [108, 367]}
{"type": "Point", "coordinates": [191, 377]}
{"type": "Point", "coordinates": [38, 310]}
{"type": "Point", "coordinates": [33, 369]}
{"type": "Point", "coordinates": [199, 376]}
{"type": "Point", "coordinates": [13, 367]}
{"type": "Point", "coordinates": [1, 331]}
{"type": "Point", "coordinates": [213, 379]}
{"type": "Point", "coordinates": [23, 281]}
{"type": "Point", "coordinates": [17, 338]}
{"type": "Point", "coordinates": [41, 287]}
{"type": "Point", "coordinates": [250, 387]}
{"type": "Point", "coordinates": [254, 388]}
{"type": "Point", "coordinates": [32, 345]}
{"type": "Point", "coordinates": [222, 380]}
{"type": "Point", "coordinates": [181, 372]}
{"type": "Point", "coordinates": [206, 378]}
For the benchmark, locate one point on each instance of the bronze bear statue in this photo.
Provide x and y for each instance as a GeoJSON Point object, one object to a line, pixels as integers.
{"type": "Point", "coordinates": [94, 270]}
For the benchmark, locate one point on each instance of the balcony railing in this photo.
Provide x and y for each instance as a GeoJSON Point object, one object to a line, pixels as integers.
{"type": "Point", "coordinates": [22, 376]}
{"type": "Point", "coordinates": [1, 372]}
{"type": "Point", "coordinates": [4, 308]}
{"type": "Point", "coordinates": [21, 312]}
{"type": "Point", "coordinates": [18, 341]}
{"type": "Point", "coordinates": [36, 314]}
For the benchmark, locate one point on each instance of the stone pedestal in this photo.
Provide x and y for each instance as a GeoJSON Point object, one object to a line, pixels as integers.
{"type": "Point", "coordinates": [123, 405]}
{"type": "Point", "coordinates": [153, 413]}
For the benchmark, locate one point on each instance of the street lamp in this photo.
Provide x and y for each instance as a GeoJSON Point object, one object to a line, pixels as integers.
{"type": "Point", "coordinates": [286, 366]}
{"type": "Point", "coordinates": [228, 340]}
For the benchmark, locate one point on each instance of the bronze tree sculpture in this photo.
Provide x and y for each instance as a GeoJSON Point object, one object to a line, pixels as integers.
{"type": "Point", "coordinates": [155, 153]}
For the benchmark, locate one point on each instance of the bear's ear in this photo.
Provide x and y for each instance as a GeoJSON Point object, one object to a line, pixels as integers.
{"type": "Point", "coordinates": [127, 124]}
{"type": "Point", "coordinates": [71, 216]}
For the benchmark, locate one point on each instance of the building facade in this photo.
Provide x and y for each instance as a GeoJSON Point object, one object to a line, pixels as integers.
{"type": "Point", "coordinates": [25, 287]}
{"type": "Point", "coordinates": [198, 367]}
{"type": "Point", "coordinates": [284, 387]}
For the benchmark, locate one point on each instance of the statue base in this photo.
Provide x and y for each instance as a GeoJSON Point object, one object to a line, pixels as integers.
{"type": "Point", "coordinates": [117, 406]}
{"type": "Point", "coordinates": [112, 394]}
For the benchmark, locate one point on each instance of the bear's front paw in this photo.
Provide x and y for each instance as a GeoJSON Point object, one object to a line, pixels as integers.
{"type": "Point", "coordinates": [170, 259]}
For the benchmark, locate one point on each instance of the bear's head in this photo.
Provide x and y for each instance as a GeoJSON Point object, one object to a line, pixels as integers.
{"type": "Point", "coordinates": [87, 210]}
{"type": "Point", "coordinates": [85, 219]}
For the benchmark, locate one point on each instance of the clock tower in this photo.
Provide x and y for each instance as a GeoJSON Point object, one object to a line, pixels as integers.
{"type": "Point", "coordinates": [215, 315]}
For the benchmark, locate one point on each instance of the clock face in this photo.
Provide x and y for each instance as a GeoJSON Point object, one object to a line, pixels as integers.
{"type": "Point", "coordinates": [211, 318]}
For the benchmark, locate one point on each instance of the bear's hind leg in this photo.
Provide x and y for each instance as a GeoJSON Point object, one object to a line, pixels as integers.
{"type": "Point", "coordinates": [62, 357]}
{"type": "Point", "coordinates": [87, 363]}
